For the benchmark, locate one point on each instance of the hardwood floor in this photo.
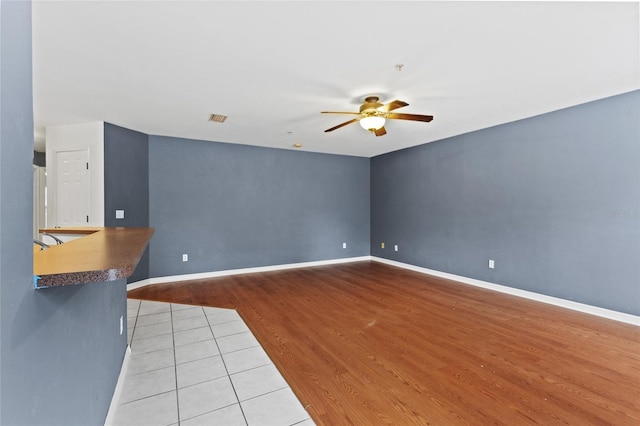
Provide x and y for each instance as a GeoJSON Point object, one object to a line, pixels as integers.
{"type": "Point", "coordinates": [368, 344]}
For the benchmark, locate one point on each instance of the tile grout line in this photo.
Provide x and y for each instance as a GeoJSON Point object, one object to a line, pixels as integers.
{"type": "Point", "coordinates": [225, 322]}
{"type": "Point", "coordinates": [143, 398]}
{"type": "Point", "coordinates": [253, 368]}
{"type": "Point", "coordinates": [210, 327]}
{"type": "Point", "coordinates": [135, 323]}
{"type": "Point", "coordinates": [270, 392]}
{"type": "Point", "coordinates": [175, 362]}
{"type": "Point", "coordinates": [208, 412]}
{"type": "Point", "coordinates": [225, 368]}
{"type": "Point", "coordinates": [244, 349]}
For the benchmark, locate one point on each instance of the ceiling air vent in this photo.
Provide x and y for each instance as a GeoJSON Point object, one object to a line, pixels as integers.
{"type": "Point", "coordinates": [217, 118]}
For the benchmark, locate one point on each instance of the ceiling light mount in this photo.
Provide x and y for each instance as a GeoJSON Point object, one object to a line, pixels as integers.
{"type": "Point", "coordinates": [359, 100]}
{"type": "Point", "coordinates": [371, 104]}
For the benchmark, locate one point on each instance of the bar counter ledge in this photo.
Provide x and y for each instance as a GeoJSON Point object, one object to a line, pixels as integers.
{"type": "Point", "coordinates": [101, 254]}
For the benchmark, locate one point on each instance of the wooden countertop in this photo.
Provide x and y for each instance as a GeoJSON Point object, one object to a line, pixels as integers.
{"type": "Point", "coordinates": [86, 230]}
{"type": "Point", "coordinates": [104, 254]}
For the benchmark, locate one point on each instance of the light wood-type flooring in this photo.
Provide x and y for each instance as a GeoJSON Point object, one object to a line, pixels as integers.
{"type": "Point", "coordinates": [365, 343]}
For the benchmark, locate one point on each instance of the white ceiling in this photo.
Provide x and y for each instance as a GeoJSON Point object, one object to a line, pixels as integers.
{"type": "Point", "coordinates": [163, 67]}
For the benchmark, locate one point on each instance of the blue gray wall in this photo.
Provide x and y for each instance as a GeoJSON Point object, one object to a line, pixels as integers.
{"type": "Point", "coordinates": [62, 353]}
{"type": "Point", "coordinates": [126, 183]}
{"type": "Point", "coordinates": [60, 349]}
{"type": "Point", "coordinates": [234, 206]}
{"type": "Point", "coordinates": [553, 199]}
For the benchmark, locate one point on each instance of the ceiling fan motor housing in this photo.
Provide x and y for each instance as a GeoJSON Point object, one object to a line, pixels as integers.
{"type": "Point", "coordinates": [373, 114]}
{"type": "Point", "coordinates": [370, 105]}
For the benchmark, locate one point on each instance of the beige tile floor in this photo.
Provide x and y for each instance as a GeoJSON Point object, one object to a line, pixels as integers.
{"type": "Point", "coordinates": [193, 365]}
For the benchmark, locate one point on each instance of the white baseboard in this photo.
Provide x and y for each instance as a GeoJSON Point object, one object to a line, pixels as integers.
{"type": "Point", "coordinates": [581, 307]}
{"type": "Point", "coordinates": [138, 284]}
{"type": "Point", "coordinates": [204, 275]}
{"type": "Point", "coordinates": [118, 390]}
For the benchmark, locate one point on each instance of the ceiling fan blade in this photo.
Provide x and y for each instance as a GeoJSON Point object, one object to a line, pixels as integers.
{"type": "Point", "coordinates": [380, 132]}
{"type": "Point", "coordinates": [342, 125]}
{"type": "Point", "coordinates": [392, 105]}
{"type": "Point", "coordinates": [335, 112]}
{"type": "Point", "coordinates": [414, 117]}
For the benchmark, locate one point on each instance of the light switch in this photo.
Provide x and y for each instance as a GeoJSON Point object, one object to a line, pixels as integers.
{"type": "Point", "coordinates": [119, 214]}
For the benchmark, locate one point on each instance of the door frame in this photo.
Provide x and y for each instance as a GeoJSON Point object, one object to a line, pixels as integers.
{"type": "Point", "coordinates": [39, 200]}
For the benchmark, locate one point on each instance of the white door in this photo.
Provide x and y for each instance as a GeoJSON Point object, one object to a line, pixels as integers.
{"type": "Point", "coordinates": [72, 188]}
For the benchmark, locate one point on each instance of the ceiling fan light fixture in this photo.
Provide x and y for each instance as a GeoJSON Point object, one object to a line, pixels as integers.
{"type": "Point", "coordinates": [372, 122]}
{"type": "Point", "coordinates": [373, 115]}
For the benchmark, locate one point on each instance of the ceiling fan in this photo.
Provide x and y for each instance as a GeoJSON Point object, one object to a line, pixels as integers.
{"type": "Point", "coordinates": [373, 114]}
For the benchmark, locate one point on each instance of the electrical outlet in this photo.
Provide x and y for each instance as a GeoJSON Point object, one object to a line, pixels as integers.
{"type": "Point", "coordinates": [492, 264]}
{"type": "Point", "coordinates": [185, 257]}
{"type": "Point", "coordinates": [344, 245]}
{"type": "Point", "coordinates": [395, 248]}
{"type": "Point", "coordinates": [381, 245]}
{"type": "Point", "coordinates": [121, 324]}
{"type": "Point", "coordinates": [119, 214]}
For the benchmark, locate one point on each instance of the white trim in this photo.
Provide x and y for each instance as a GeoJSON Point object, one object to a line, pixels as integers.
{"type": "Point", "coordinates": [138, 284]}
{"type": "Point", "coordinates": [39, 184]}
{"type": "Point", "coordinates": [563, 303]}
{"type": "Point", "coordinates": [73, 137]}
{"type": "Point", "coordinates": [119, 386]}
{"type": "Point", "coordinates": [204, 275]}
